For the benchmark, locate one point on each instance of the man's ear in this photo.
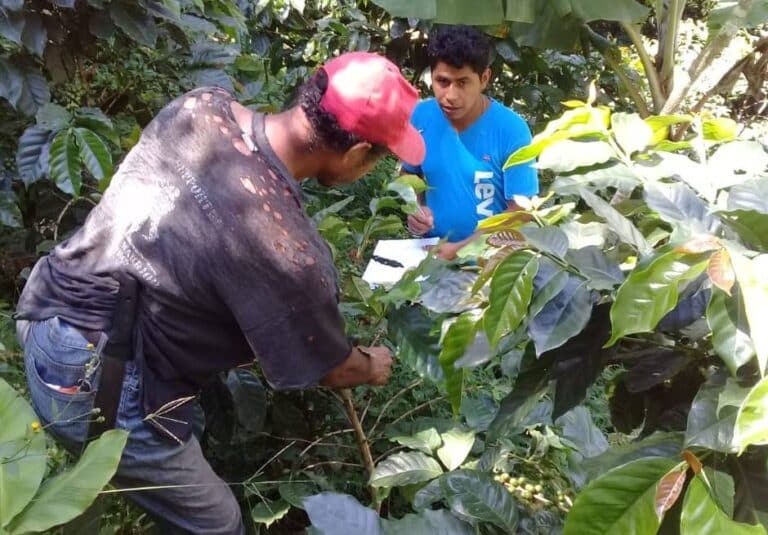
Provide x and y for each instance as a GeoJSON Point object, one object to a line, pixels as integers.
{"type": "Point", "coordinates": [357, 154]}
{"type": "Point", "coordinates": [485, 78]}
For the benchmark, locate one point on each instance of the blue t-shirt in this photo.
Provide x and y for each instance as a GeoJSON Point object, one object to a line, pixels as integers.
{"type": "Point", "coordinates": [464, 170]}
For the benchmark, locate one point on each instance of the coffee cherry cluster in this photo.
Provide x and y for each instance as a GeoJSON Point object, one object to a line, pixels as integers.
{"type": "Point", "coordinates": [533, 494]}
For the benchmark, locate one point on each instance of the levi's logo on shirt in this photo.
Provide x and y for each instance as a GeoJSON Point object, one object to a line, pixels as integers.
{"type": "Point", "coordinates": [484, 193]}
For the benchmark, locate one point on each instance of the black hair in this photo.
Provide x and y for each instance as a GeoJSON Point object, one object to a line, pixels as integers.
{"type": "Point", "coordinates": [326, 130]}
{"type": "Point", "coordinates": [459, 46]}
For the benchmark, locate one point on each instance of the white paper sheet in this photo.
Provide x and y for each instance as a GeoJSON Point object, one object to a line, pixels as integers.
{"type": "Point", "coordinates": [409, 253]}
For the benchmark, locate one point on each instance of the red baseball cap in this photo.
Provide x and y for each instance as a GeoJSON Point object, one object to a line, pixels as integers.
{"type": "Point", "coordinates": [371, 99]}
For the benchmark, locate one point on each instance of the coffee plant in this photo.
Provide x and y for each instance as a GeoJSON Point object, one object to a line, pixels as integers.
{"type": "Point", "coordinates": [592, 363]}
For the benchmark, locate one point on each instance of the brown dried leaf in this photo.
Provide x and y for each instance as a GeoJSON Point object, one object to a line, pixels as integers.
{"type": "Point", "coordinates": [692, 461]}
{"type": "Point", "coordinates": [720, 271]}
{"type": "Point", "coordinates": [668, 491]}
{"type": "Point", "coordinates": [504, 238]}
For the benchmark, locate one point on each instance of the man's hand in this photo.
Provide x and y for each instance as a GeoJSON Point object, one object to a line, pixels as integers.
{"type": "Point", "coordinates": [381, 364]}
{"type": "Point", "coordinates": [422, 221]}
{"type": "Point", "coordinates": [364, 365]}
{"type": "Point", "coordinates": [449, 250]}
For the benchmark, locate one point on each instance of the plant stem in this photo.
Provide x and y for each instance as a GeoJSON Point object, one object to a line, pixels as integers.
{"type": "Point", "coordinates": [632, 91]}
{"type": "Point", "coordinates": [657, 94]}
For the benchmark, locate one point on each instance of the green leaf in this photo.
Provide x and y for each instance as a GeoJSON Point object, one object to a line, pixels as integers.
{"type": "Point", "coordinates": [552, 287]}
{"type": "Point", "coordinates": [417, 346]}
{"type": "Point", "coordinates": [474, 496]}
{"type": "Point", "coordinates": [405, 469]}
{"type": "Point", "coordinates": [562, 318]}
{"type": "Point", "coordinates": [70, 493]}
{"type": "Point", "coordinates": [457, 443]}
{"type": "Point", "coordinates": [614, 175]}
{"type": "Point", "coordinates": [482, 13]}
{"type": "Point", "coordinates": [295, 492]}
{"type": "Point", "coordinates": [416, 182]}
{"type": "Point", "coordinates": [268, 512]}
{"type": "Point", "coordinates": [603, 273]}
{"type": "Point", "coordinates": [407, 194]}
{"type": "Point", "coordinates": [567, 155]}
{"type": "Point", "coordinates": [728, 322]}
{"type": "Point", "coordinates": [621, 501]}
{"type": "Point", "coordinates": [34, 36]}
{"type": "Point", "coordinates": [334, 208]}
{"type": "Point", "coordinates": [650, 292]}
{"type": "Point", "coordinates": [10, 214]}
{"type": "Point", "coordinates": [32, 154]}
{"type": "Point", "coordinates": [677, 203]}
{"type": "Point", "coordinates": [53, 117]}
{"type": "Point", "coordinates": [94, 119]}
{"type": "Point", "coordinates": [750, 275]}
{"type": "Point", "coordinates": [580, 430]}
{"type": "Point", "coordinates": [511, 289]}
{"type": "Point", "coordinates": [752, 418]}
{"type": "Point", "coordinates": [458, 337]}
{"type": "Point", "coordinates": [632, 133]}
{"type": "Point", "coordinates": [341, 514]}
{"type": "Point", "coordinates": [425, 440]}
{"type": "Point", "coordinates": [722, 489]}
{"type": "Point", "coordinates": [428, 495]}
{"type": "Point", "coordinates": [530, 386]}
{"type": "Point", "coordinates": [736, 162]}
{"type": "Point", "coordinates": [22, 454]}
{"type": "Point", "coordinates": [94, 153]}
{"type": "Point", "coordinates": [749, 195]}
{"type": "Point", "coordinates": [136, 24]}
{"type": "Point", "coordinates": [428, 522]}
{"type": "Point", "coordinates": [707, 426]}
{"type": "Point", "coordinates": [64, 166]}
{"type": "Point", "coordinates": [582, 235]}
{"type": "Point", "coordinates": [550, 240]}
{"type": "Point", "coordinates": [702, 516]}
{"type": "Point", "coordinates": [619, 224]}
{"type": "Point", "coordinates": [751, 226]}
{"type": "Point", "coordinates": [655, 445]}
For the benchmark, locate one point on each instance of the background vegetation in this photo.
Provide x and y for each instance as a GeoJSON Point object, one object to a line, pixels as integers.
{"type": "Point", "coordinates": [597, 369]}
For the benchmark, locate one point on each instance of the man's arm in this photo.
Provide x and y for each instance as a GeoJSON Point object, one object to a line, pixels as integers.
{"type": "Point", "coordinates": [368, 365]}
{"type": "Point", "coordinates": [449, 250]}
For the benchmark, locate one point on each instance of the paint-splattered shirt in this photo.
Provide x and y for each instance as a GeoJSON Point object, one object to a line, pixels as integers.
{"type": "Point", "coordinates": [211, 223]}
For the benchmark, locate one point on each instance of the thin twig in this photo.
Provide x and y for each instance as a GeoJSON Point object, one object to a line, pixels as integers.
{"type": "Point", "coordinates": [648, 66]}
{"type": "Point", "coordinates": [416, 409]}
{"type": "Point", "coordinates": [411, 386]}
{"type": "Point", "coordinates": [339, 463]}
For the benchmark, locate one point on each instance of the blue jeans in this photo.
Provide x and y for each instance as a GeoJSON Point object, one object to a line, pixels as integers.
{"type": "Point", "coordinates": [193, 498]}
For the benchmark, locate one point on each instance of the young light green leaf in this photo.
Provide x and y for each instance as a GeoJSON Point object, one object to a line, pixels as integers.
{"type": "Point", "coordinates": [754, 293]}
{"type": "Point", "coordinates": [660, 125]}
{"type": "Point", "coordinates": [621, 501]}
{"type": "Point", "coordinates": [649, 293]}
{"type": "Point", "coordinates": [567, 155]}
{"type": "Point", "coordinates": [702, 516]}
{"type": "Point", "coordinates": [720, 129]}
{"type": "Point", "coordinates": [511, 289]}
{"type": "Point", "coordinates": [405, 469]}
{"type": "Point", "coordinates": [752, 418]}
{"type": "Point", "coordinates": [414, 181]}
{"type": "Point", "coordinates": [269, 512]}
{"type": "Point", "coordinates": [70, 493]}
{"type": "Point", "coordinates": [457, 443]}
{"type": "Point", "coordinates": [632, 133]}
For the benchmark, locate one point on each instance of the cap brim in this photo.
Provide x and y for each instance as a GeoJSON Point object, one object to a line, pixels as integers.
{"type": "Point", "coordinates": [410, 147]}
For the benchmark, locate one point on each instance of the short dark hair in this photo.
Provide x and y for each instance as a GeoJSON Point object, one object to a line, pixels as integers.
{"type": "Point", "coordinates": [326, 130]}
{"type": "Point", "coordinates": [459, 46]}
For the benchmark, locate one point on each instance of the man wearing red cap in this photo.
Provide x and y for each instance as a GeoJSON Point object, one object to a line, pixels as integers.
{"type": "Point", "coordinates": [204, 218]}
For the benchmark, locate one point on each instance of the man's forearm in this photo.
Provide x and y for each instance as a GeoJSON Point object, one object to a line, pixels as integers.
{"type": "Point", "coordinates": [354, 371]}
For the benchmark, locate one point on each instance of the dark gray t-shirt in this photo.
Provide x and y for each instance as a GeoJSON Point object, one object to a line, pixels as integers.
{"type": "Point", "coordinates": [229, 264]}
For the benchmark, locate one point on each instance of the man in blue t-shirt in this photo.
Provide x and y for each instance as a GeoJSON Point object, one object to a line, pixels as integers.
{"type": "Point", "coordinates": [468, 136]}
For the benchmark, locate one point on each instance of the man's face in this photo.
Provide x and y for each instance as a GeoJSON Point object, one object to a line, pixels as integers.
{"type": "Point", "coordinates": [458, 91]}
{"type": "Point", "coordinates": [345, 169]}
